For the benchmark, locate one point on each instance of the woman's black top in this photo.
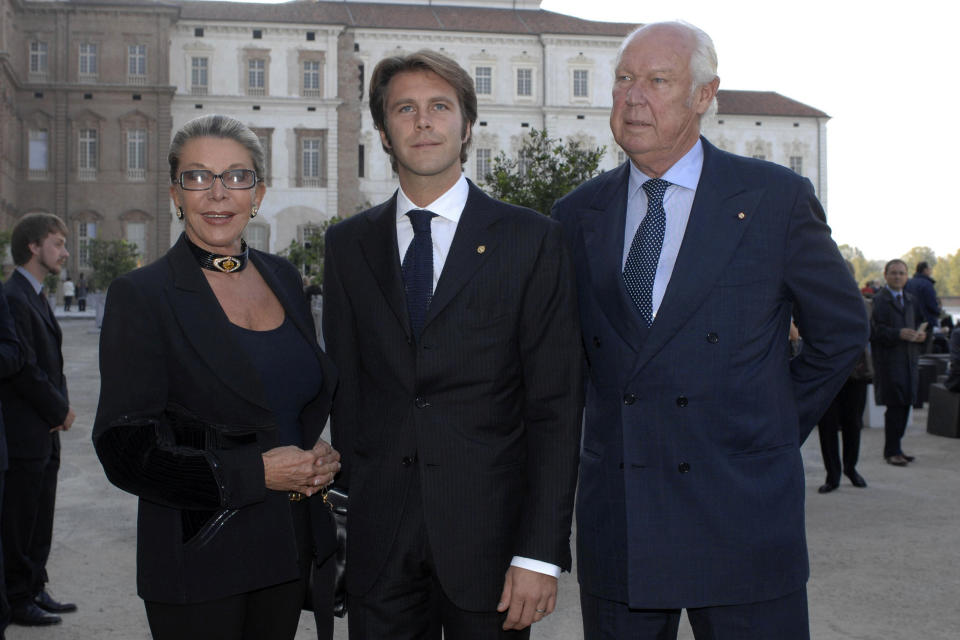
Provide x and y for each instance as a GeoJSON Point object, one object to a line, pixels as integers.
{"type": "Point", "coordinates": [289, 371]}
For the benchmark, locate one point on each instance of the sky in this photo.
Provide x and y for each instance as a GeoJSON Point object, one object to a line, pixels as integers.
{"type": "Point", "coordinates": [878, 68]}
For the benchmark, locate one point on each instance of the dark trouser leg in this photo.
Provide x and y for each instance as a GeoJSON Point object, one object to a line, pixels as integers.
{"type": "Point", "coordinates": [4, 605]}
{"type": "Point", "coordinates": [894, 425]}
{"type": "Point", "coordinates": [21, 500]}
{"type": "Point", "coordinates": [783, 618]}
{"type": "Point", "coordinates": [609, 620]}
{"type": "Point", "coordinates": [851, 422]}
{"type": "Point", "coordinates": [272, 612]}
{"type": "Point", "coordinates": [42, 540]}
{"type": "Point", "coordinates": [829, 447]}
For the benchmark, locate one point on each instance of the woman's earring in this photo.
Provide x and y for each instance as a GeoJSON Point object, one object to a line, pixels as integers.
{"type": "Point", "coordinates": [180, 213]}
{"type": "Point", "coordinates": [253, 212]}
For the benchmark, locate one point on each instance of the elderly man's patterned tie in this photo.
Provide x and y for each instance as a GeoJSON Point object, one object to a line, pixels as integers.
{"type": "Point", "coordinates": [641, 267]}
{"type": "Point", "coordinates": [417, 269]}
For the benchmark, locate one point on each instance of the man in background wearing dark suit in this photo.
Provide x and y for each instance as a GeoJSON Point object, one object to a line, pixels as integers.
{"type": "Point", "coordinates": [10, 362]}
{"type": "Point", "coordinates": [452, 320]}
{"type": "Point", "coordinates": [35, 410]}
{"type": "Point", "coordinates": [690, 262]}
{"type": "Point", "coordinates": [896, 344]}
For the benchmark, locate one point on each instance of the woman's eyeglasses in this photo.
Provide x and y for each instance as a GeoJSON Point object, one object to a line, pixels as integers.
{"type": "Point", "coordinates": [202, 179]}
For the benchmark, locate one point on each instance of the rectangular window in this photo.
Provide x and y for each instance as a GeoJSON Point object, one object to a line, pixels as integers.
{"type": "Point", "coordinates": [361, 161]}
{"type": "Point", "coordinates": [136, 234]}
{"type": "Point", "coordinates": [311, 157]}
{"type": "Point", "coordinates": [311, 78]}
{"type": "Point", "coordinates": [524, 82]}
{"type": "Point", "coordinates": [88, 61]}
{"type": "Point", "coordinates": [137, 154]}
{"type": "Point", "coordinates": [37, 150]}
{"type": "Point", "coordinates": [581, 87]}
{"type": "Point", "coordinates": [38, 59]}
{"type": "Point", "coordinates": [86, 231]}
{"type": "Point", "coordinates": [796, 164]}
{"type": "Point", "coordinates": [484, 81]}
{"type": "Point", "coordinates": [198, 76]}
{"type": "Point", "coordinates": [483, 164]}
{"type": "Point", "coordinates": [87, 161]}
{"type": "Point", "coordinates": [311, 161]}
{"type": "Point", "coordinates": [256, 77]}
{"type": "Point", "coordinates": [137, 64]}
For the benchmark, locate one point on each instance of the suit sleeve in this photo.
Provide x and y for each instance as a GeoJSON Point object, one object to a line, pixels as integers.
{"type": "Point", "coordinates": [31, 382]}
{"type": "Point", "coordinates": [10, 357]}
{"type": "Point", "coordinates": [144, 449]}
{"type": "Point", "coordinates": [340, 340]}
{"type": "Point", "coordinates": [551, 362]}
{"type": "Point", "coordinates": [827, 306]}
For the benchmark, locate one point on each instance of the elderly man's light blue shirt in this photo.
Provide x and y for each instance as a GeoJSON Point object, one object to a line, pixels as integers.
{"type": "Point", "coordinates": [677, 202]}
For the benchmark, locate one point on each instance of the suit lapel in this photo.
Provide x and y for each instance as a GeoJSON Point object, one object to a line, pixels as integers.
{"type": "Point", "coordinates": [603, 224]}
{"type": "Point", "coordinates": [465, 256]}
{"type": "Point", "coordinates": [722, 210]}
{"type": "Point", "coordinates": [39, 304]}
{"type": "Point", "coordinates": [379, 246]}
{"type": "Point", "coordinates": [207, 328]}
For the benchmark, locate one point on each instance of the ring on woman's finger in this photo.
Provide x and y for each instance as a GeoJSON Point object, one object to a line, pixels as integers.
{"type": "Point", "coordinates": [316, 482]}
{"type": "Point", "coordinates": [541, 611]}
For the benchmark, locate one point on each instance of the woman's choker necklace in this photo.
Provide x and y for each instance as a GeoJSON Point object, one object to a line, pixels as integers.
{"type": "Point", "coordinates": [216, 262]}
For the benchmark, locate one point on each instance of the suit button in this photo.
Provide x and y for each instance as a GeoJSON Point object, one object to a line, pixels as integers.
{"type": "Point", "coordinates": [421, 403]}
{"type": "Point", "coordinates": [629, 398]}
{"type": "Point", "coordinates": [596, 341]}
{"type": "Point", "coordinates": [407, 460]}
{"type": "Point", "coordinates": [713, 338]}
{"type": "Point", "coordinates": [682, 401]}
{"type": "Point", "coordinates": [683, 467]}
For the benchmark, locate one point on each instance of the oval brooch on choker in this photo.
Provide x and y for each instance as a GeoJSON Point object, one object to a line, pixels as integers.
{"type": "Point", "coordinates": [223, 264]}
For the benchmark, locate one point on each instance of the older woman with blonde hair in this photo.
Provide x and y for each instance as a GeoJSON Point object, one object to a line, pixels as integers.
{"type": "Point", "coordinates": [214, 393]}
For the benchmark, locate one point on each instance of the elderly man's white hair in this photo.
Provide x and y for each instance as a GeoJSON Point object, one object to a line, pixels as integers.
{"type": "Point", "coordinates": [703, 59]}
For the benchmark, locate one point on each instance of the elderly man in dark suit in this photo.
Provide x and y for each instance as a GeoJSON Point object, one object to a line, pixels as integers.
{"type": "Point", "coordinates": [896, 344]}
{"type": "Point", "coordinates": [35, 411]}
{"type": "Point", "coordinates": [690, 262]}
{"type": "Point", "coordinates": [452, 320]}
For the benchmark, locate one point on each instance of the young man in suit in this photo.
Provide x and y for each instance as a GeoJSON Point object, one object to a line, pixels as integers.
{"type": "Point", "coordinates": [451, 317]}
{"type": "Point", "coordinates": [690, 262]}
{"type": "Point", "coordinates": [35, 411]}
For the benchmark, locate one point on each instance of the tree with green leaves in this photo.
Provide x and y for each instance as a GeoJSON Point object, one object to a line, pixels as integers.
{"type": "Point", "coordinates": [917, 255]}
{"type": "Point", "coordinates": [109, 259]}
{"type": "Point", "coordinates": [863, 270]}
{"type": "Point", "coordinates": [307, 256]}
{"type": "Point", "coordinates": [545, 170]}
{"type": "Point", "coordinates": [947, 274]}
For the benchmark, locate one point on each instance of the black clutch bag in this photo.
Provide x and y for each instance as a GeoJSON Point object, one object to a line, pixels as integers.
{"type": "Point", "coordinates": [337, 500]}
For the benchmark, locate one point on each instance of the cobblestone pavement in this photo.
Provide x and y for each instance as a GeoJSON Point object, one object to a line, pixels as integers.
{"type": "Point", "coordinates": [885, 561]}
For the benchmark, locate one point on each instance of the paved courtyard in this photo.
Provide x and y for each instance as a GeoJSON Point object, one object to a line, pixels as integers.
{"type": "Point", "coordinates": [885, 560]}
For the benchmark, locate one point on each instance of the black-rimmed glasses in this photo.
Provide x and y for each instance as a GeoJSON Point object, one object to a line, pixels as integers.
{"type": "Point", "coordinates": [203, 179]}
